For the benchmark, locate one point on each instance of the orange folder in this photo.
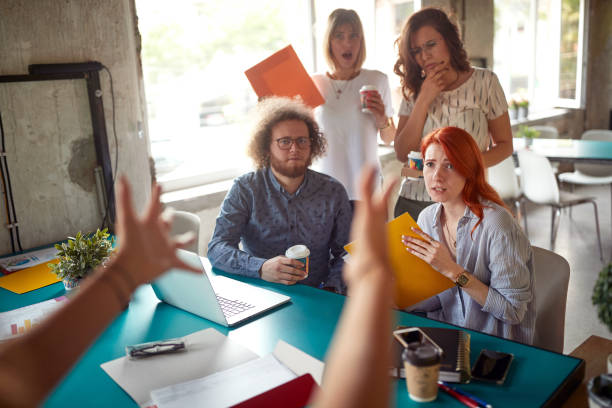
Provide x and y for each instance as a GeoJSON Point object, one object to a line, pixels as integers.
{"type": "Point", "coordinates": [415, 279]}
{"type": "Point", "coordinates": [28, 279]}
{"type": "Point", "coordinates": [282, 74]}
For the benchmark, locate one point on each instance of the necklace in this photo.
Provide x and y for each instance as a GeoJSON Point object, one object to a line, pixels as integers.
{"type": "Point", "coordinates": [452, 242]}
{"type": "Point", "coordinates": [340, 88]}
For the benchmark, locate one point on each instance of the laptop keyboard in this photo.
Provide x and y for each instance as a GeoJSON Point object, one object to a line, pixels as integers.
{"type": "Point", "coordinates": [232, 307]}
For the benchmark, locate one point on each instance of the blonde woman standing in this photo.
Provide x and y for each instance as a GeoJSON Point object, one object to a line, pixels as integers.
{"type": "Point", "coordinates": [351, 134]}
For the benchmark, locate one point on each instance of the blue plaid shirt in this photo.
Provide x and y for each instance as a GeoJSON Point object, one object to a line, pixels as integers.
{"type": "Point", "coordinates": [267, 220]}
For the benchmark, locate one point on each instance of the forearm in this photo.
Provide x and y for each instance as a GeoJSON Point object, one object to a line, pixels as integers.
{"type": "Point", "coordinates": [497, 153]}
{"type": "Point", "coordinates": [228, 258]}
{"type": "Point", "coordinates": [99, 300]}
{"type": "Point", "coordinates": [410, 130]}
{"type": "Point", "coordinates": [387, 135]}
{"type": "Point", "coordinates": [356, 372]}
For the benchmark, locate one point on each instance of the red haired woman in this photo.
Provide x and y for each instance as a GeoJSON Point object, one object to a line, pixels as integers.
{"type": "Point", "coordinates": [470, 237]}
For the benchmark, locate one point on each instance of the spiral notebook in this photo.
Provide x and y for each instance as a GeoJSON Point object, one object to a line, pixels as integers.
{"type": "Point", "coordinates": [455, 366]}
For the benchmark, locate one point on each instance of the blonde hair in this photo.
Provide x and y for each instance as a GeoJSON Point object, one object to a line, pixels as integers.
{"type": "Point", "coordinates": [337, 18]}
{"type": "Point", "coordinates": [270, 112]}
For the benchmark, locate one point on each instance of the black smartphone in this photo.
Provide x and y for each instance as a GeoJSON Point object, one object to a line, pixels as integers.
{"type": "Point", "coordinates": [492, 366]}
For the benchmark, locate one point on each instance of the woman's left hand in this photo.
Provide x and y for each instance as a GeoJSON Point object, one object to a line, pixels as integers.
{"type": "Point", "coordinates": [433, 252]}
{"type": "Point", "coordinates": [376, 105]}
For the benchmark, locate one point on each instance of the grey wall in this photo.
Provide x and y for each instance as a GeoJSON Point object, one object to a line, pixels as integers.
{"type": "Point", "coordinates": [599, 68]}
{"type": "Point", "coordinates": [48, 125]}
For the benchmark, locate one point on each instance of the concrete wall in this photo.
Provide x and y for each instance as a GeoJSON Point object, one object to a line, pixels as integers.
{"type": "Point", "coordinates": [599, 68]}
{"type": "Point", "coordinates": [47, 124]}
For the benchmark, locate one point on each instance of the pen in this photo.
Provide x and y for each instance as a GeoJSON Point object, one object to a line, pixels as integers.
{"type": "Point", "coordinates": [480, 402]}
{"type": "Point", "coordinates": [467, 401]}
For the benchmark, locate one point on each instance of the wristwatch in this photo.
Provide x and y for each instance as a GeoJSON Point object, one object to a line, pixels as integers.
{"type": "Point", "coordinates": [462, 279]}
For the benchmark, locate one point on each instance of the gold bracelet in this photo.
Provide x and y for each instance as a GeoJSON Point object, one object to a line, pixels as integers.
{"type": "Point", "coordinates": [387, 124]}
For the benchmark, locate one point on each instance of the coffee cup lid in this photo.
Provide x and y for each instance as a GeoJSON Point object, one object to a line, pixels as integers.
{"type": "Point", "coordinates": [367, 88]}
{"type": "Point", "coordinates": [421, 355]}
{"type": "Point", "coordinates": [297, 251]}
{"type": "Point", "coordinates": [415, 155]}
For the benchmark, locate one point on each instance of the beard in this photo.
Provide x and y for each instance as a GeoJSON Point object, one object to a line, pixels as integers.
{"type": "Point", "coordinates": [292, 169]}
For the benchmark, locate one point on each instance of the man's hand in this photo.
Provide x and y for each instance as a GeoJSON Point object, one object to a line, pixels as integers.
{"type": "Point", "coordinates": [281, 269]}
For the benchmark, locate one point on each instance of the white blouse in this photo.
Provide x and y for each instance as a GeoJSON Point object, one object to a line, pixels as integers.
{"type": "Point", "coordinates": [469, 107]}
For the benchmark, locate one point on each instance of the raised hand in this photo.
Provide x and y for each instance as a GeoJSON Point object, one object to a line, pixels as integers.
{"type": "Point", "coordinates": [281, 269]}
{"type": "Point", "coordinates": [435, 81]}
{"type": "Point", "coordinates": [146, 249]}
{"type": "Point", "coordinates": [369, 232]}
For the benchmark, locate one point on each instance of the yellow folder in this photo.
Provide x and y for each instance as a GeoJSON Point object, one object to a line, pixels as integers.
{"type": "Point", "coordinates": [415, 279]}
{"type": "Point", "coordinates": [29, 279]}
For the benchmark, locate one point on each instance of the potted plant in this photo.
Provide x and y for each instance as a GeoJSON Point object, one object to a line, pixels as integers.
{"type": "Point", "coordinates": [513, 109]}
{"type": "Point", "coordinates": [602, 296]}
{"type": "Point", "coordinates": [523, 108]}
{"type": "Point", "coordinates": [528, 134]}
{"type": "Point", "coordinates": [80, 255]}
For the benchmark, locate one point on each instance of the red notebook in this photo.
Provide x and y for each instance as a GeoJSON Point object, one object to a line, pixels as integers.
{"type": "Point", "coordinates": [293, 394]}
{"type": "Point", "coordinates": [282, 74]}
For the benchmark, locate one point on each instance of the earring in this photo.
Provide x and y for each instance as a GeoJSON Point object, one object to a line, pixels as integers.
{"type": "Point", "coordinates": [422, 73]}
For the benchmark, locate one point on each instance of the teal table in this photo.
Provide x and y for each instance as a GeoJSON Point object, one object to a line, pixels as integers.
{"type": "Point", "coordinates": [572, 150]}
{"type": "Point", "coordinates": [537, 377]}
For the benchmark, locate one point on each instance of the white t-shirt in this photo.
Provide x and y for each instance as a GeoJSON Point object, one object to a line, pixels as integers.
{"type": "Point", "coordinates": [352, 136]}
{"type": "Point", "coordinates": [469, 107]}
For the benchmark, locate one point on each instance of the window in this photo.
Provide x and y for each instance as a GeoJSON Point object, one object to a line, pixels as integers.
{"type": "Point", "coordinates": [194, 54]}
{"type": "Point", "coordinates": [538, 51]}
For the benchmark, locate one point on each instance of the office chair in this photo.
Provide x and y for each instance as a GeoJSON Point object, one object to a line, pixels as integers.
{"type": "Point", "coordinates": [552, 273]}
{"type": "Point", "coordinates": [503, 179]}
{"type": "Point", "coordinates": [183, 222]}
{"type": "Point", "coordinates": [540, 187]}
{"type": "Point", "coordinates": [591, 174]}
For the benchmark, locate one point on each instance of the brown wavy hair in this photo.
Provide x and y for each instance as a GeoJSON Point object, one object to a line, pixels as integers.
{"type": "Point", "coordinates": [406, 66]}
{"type": "Point", "coordinates": [337, 18]}
{"type": "Point", "coordinates": [465, 156]}
{"type": "Point", "coordinates": [270, 112]}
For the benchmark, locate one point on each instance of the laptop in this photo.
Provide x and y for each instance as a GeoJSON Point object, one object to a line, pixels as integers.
{"type": "Point", "coordinates": [225, 301]}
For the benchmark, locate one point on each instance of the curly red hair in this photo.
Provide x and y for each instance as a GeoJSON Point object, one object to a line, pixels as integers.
{"type": "Point", "coordinates": [465, 156]}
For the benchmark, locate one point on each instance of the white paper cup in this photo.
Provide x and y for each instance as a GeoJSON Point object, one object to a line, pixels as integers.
{"type": "Point", "coordinates": [300, 253]}
{"type": "Point", "coordinates": [415, 161]}
{"type": "Point", "coordinates": [364, 92]}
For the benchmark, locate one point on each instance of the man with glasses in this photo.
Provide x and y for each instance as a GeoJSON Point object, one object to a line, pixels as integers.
{"type": "Point", "coordinates": [283, 203]}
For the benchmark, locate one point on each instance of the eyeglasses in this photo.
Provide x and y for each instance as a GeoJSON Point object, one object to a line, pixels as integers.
{"type": "Point", "coordinates": [427, 47]}
{"type": "Point", "coordinates": [284, 143]}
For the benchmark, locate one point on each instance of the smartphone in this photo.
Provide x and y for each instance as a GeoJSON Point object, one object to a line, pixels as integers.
{"type": "Point", "coordinates": [411, 335]}
{"type": "Point", "coordinates": [492, 366]}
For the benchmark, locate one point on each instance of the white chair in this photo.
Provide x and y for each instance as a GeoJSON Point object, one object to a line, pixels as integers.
{"type": "Point", "coordinates": [183, 222]}
{"type": "Point", "coordinates": [503, 179]}
{"type": "Point", "coordinates": [591, 174]}
{"type": "Point", "coordinates": [546, 132]}
{"type": "Point", "coordinates": [540, 186]}
{"type": "Point", "coordinates": [552, 273]}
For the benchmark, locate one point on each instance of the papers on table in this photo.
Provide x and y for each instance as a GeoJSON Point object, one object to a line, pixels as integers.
{"type": "Point", "coordinates": [214, 371]}
{"type": "Point", "coordinates": [225, 388]}
{"type": "Point", "coordinates": [26, 260]}
{"type": "Point", "coordinates": [208, 351]}
{"type": "Point", "coordinates": [19, 321]}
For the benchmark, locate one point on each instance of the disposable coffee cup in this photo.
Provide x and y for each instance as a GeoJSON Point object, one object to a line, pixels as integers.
{"type": "Point", "coordinates": [600, 391]}
{"type": "Point", "coordinates": [415, 161]}
{"type": "Point", "coordinates": [300, 253]}
{"type": "Point", "coordinates": [422, 366]}
{"type": "Point", "coordinates": [364, 92]}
